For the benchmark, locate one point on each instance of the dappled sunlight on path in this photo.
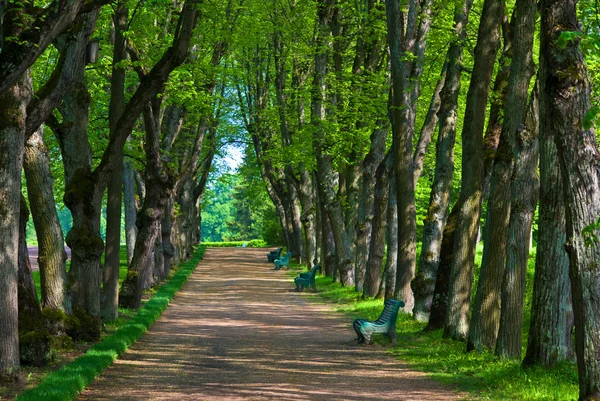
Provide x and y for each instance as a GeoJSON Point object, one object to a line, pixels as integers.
{"type": "Point", "coordinates": [238, 331]}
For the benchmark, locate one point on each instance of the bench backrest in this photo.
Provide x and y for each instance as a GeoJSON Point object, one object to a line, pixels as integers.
{"type": "Point", "coordinates": [286, 259]}
{"type": "Point", "coordinates": [313, 272]}
{"type": "Point", "coordinates": [390, 312]}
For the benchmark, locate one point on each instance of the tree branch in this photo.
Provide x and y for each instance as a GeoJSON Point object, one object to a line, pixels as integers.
{"type": "Point", "coordinates": [18, 55]}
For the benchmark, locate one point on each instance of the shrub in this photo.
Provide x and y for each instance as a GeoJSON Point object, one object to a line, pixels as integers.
{"type": "Point", "coordinates": [257, 243]}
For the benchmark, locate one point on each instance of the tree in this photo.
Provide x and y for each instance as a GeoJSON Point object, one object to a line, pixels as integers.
{"type": "Point", "coordinates": [565, 95]}
{"type": "Point", "coordinates": [467, 226]}
{"type": "Point", "coordinates": [486, 310]}
{"type": "Point", "coordinates": [439, 204]}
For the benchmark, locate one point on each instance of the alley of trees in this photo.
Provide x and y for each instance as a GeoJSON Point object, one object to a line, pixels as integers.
{"type": "Point", "coordinates": [382, 139]}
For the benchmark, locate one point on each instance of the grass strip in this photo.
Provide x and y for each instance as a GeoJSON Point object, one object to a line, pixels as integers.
{"type": "Point", "coordinates": [67, 382]}
{"type": "Point", "coordinates": [482, 374]}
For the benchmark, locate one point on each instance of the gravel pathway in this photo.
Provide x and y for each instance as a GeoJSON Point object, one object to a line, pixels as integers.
{"type": "Point", "coordinates": [238, 331]}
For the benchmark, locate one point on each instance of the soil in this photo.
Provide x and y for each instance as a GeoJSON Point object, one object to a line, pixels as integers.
{"type": "Point", "coordinates": [237, 330]}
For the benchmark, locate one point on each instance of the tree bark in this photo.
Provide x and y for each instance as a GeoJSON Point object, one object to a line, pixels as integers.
{"type": "Point", "coordinates": [467, 228]}
{"type": "Point", "coordinates": [112, 258]}
{"type": "Point", "coordinates": [550, 332]}
{"type": "Point", "coordinates": [366, 213]}
{"type": "Point", "coordinates": [308, 217]}
{"type": "Point", "coordinates": [52, 256]}
{"type": "Point", "coordinates": [159, 185]}
{"type": "Point", "coordinates": [441, 190]}
{"type": "Point", "coordinates": [376, 242]}
{"type": "Point", "coordinates": [551, 324]}
{"type": "Point", "coordinates": [166, 230]}
{"type": "Point", "coordinates": [402, 132]}
{"type": "Point", "coordinates": [486, 310]}
{"type": "Point", "coordinates": [159, 256]}
{"type": "Point", "coordinates": [325, 173]}
{"type": "Point", "coordinates": [428, 128]}
{"type": "Point", "coordinates": [493, 130]}
{"type": "Point", "coordinates": [565, 96]}
{"type": "Point", "coordinates": [34, 338]}
{"type": "Point", "coordinates": [328, 245]}
{"type": "Point", "coordinates": [391, 264]}
{"type": "Point", "coordinates": [12, 139]}
{"type": "Point", "coordinates": [524, 196]}
{"type": "Point", "coordinates": [439, 300]}
{"type": "Point", "coordinates": [129, 208]}
{"type": "Point", "coordinates": [82, 199]}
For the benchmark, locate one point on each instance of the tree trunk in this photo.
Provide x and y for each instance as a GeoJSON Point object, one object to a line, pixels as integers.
{"type": "Point", "coordinates": [82, 199]}
{"type": "Point", "coordinates": [550, 333]}
{"type": "Point", "coordinates": [112, 258]}
{"type": "Point", "coordinates": [308, 217]}
{"type": "Point", "coordinates": [524, 196]}
{"type": "Point", "coordinates": [158, 185]}
{"type": "Point", "coordinates": [467, 228]}
{"type": "Point", "coordinates": [352, 174]}
{"type": "Point", "coordinates": [376, 241]}
{"type": "Point", "coordinates": [325, 173]}
{"type": "Point", "coordinates": [366, 213]}
{"type": "Point", "coordinates": [166, 230]}
{"type": "Point", "coordinates": [402, 132]}
{"type": "Point", "coordinates": [130, 208]}
{"type": "Point", "coordinates": [428, 128]}
{"type": "Point", "coordinates": [439, 300]}
{"type": "Point", "coordinates": [12, 139]}
{"type": "Point", "coordinates": [441, 190]}
{"type": "Point", "coordinates": [34, 338]}
{"type": "Point", "coordinates": [486, 310]}
{"type": "Point", "coordinates": [333, 208]}
{"type": "Point", "coordinates": [493, 130]}
{"type": "Point", "coordinates": [391, 264]}
{"type": "Point", "coordinates": [159, 257]}
{"type": "Point", "coordinates": [565, 96]}
{"type": "Point", "coordinates": [52, 256]}
{"type": "Point", "coordinates": [292, 206]}
{"type": "Point", "coordinates": [328, 246]}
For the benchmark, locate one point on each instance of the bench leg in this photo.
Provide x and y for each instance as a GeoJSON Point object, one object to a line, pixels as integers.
{"type": "Point", "coordinates": [392, 335]}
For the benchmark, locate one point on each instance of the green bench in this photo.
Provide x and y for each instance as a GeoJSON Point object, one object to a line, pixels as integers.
{"type": "Point", "coordinates": [274, 255]}
{"type": "Point", "coordinates": [283, 261]}
{"type": "Point", "coordinates": [386, 323]}
{"type": "Point", "coordinates": [307, 279]}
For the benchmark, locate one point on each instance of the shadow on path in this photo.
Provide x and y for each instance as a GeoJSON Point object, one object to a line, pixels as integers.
{"type": "Point", "coordinates": [236, 332]}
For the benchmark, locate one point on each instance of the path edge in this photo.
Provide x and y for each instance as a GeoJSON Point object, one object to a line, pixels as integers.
{"type": "Point", "coordinates": [67, 382]}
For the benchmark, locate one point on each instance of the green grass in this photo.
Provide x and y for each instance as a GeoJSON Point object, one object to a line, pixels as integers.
{"type": "Point", "coordinates": [482, 375]}
{"type": "Point", "coordinates": [66, 383]}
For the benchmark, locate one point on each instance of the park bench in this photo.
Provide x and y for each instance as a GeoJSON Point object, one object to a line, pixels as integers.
{"type": "Point", "coordinates": [386, 323]}
{"type": "Point", "coordinates": [274, 255]}
{"type": "Point", "coordinates": [283, 261]}
{"type": "Point", "coordinates": [307, 279]}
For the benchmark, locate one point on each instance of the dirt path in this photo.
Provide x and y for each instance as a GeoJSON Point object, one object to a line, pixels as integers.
{"type": "Point", "coordinates": [237, 331]}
